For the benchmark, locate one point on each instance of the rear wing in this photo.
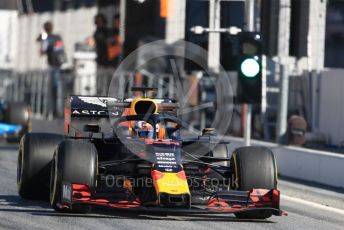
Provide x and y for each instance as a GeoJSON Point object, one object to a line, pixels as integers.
{"type": "Point", "coordinates": [81, 110]}
{"type": "Point", "coordinates": [87, 106]}
{"type": "Point", "coordinates": [93, 108]}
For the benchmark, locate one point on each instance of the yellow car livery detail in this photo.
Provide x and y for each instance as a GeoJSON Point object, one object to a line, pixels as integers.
{"type": "Point", "coordinates": [170, 182]}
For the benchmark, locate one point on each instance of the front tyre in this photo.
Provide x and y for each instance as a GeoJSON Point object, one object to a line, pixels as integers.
{"type": "Point", "coordinates": [254, 167]}
{"type": "Point", "coordinates": [36, 151]}
{"type": "Point", "coordinates": [75, 161]}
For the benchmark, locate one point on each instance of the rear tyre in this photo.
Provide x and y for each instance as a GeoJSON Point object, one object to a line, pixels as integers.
{"type": "Point", "coordinates": [254, 167]}
{"type": "Point", "coordinates": [18, 113]}
{"type": "Point", "coordinates": [75, 162]}
{"type": "Point", "coordinates": [34, 161]}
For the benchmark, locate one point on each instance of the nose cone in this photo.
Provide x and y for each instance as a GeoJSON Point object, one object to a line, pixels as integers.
{"type": "Point", "coordinates": [172, 188]}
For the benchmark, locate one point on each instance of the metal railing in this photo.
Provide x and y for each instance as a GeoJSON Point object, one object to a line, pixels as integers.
{"type": "Point", "coordinates": [33, 87]}
{"type": "Point", "coordinates": [30, 87]}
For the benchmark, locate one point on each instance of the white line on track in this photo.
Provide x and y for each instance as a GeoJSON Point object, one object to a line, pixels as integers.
{"type": "Point", "coordinates": [313, 204]}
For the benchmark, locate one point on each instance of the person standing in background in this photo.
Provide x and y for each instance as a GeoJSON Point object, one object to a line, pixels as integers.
{"type": "Point", "coordinates": [114, 43]}
{"type": "Point", "coordinates": [52, 46]}
{"type": "Point", "coordinates": [101, 36]}
{"type": "Point", "coordinates": [101, 40]}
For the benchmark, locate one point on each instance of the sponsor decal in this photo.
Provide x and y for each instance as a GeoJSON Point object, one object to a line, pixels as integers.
{"type": "Point", "coordinates": [166, 161]}
{"type": "Point", "coordinates": [88, 112]}
{"type": "Point", "coordinates": [92, 106]}
{"type": "Point", "coordinates": [165, 158]}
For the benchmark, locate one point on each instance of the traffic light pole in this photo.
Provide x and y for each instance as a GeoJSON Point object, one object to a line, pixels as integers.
{"type": "Point", "coordinates": [213, 45]}
{"type": "Point", "coordinates": [283, 52]}
{"type": "Point", "coordinates": [249, 18]}
{"type": "Point", "coordinates": [247, 124]}
{"type": "Point", "coordinates": [282, 115]}
{"type": "Point", "coordinates": [214, 37]}
{"type": "Point", "coordinates": [214, 32]}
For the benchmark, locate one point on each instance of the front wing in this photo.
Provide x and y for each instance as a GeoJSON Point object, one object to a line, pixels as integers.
{"type": "Point", "coordinates": [255, 200]}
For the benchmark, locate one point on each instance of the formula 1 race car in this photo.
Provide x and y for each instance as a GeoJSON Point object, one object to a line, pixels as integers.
{"type": "Point", "coordinates": [14, 120]}
{"type": "Point", "coordinates": [144, 164]}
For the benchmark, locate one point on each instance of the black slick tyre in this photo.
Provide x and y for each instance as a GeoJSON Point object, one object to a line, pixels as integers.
{"type": "Point", "coordinates": [75, 161]}
{"type": "Point", "coordinates": [254, 167]}
{"type": "Point", "coordinates": [34, 161]}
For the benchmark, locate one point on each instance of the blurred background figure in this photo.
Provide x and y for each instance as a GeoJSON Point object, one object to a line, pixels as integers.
{"type": "Point", "coordinates": [114, 42]}
{"type": "Point", "coordinates": [52, 46]}
{"type": "Point", "coordinates": [103, 40]}
{"type": "Point", "coordinates": [101, 37]}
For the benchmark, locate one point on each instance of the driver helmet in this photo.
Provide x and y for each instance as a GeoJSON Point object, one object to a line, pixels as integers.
{"type": "Point", "coordinates": [143, 129]}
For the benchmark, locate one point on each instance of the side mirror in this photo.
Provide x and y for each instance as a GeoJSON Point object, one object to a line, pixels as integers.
{"type": "Point", "coordinates": [92, 128]}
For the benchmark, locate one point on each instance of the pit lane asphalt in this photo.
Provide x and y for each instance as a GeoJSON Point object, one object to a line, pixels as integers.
{"type": "Point", "coordinates": [308, 207]}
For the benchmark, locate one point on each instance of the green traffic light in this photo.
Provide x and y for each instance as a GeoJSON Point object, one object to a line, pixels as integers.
{"type": "Point", "coordinates": [250, 67]}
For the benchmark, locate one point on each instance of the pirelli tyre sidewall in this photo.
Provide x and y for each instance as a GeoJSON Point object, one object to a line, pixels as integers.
{"type": "Point", "coordinates": [254, 167]}
{"type": "Point", "coordinates": [75, 161]}
{"type": "Point", "coordinates": [34, 161]}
